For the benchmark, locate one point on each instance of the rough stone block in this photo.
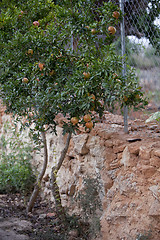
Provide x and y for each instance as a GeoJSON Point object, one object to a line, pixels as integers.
{"type": "Point", "coordinates": [155, 162]}
{"type": "Point", "coordinates": [144, 152]}
{"type": "Point", "coordinates": [156, 152]}
{"type": "Point", "coordinates": [154, 210]}
{"type": "Point", "coordinates": [80, 144]}
{"type": "Point", "coordinates": [148, 171]}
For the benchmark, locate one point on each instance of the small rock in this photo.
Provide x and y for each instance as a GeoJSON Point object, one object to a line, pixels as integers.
{"type": "Point", "coordinates": [30, 214]}
{"type": "Point", "coordinates": [155, 209]}
{"type": "Point", "coordinates": [153, 127]}
{"type": "Point", "coordinates": [73, 233]}
{"type": "Point", "coordinates": [53, 214]}
{"type": "Point", "coordinates": [42, 216]}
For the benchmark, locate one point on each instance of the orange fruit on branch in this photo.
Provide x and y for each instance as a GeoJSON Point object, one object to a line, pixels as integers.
{"type": "Point", "coordinates": [86, 75]}
{"type": "Point", "coordinates": [87, 118]}
{"type": "Point", "coordinates": [30, 51]}
{"type": "Point", "coordinates": [111, 30]}
{"type": "Point", "coordinates": [125, 98]}
{"type": "Point", "coordinates": [74, 120]}
{"type": "Point", "coordinates": [41, 66]}
{"type": "Point", "coordinates": [52, 73]}
{"type": "Point", "coordinates": [25, 80]}
{"type": "Point", "coordinates": [89, 125]}
{"type": "Point", "coordinates": [93, 96]}
{"type": "Point", "coordinates": [93, 30]}
{"type": "Point", "coordinates": [36, 23]}
{"type": "Point", "coordinates": [116, 14]}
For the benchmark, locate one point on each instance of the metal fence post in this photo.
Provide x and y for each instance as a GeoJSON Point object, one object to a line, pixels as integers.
{"type": "Point", "coordinates": [122, 27]}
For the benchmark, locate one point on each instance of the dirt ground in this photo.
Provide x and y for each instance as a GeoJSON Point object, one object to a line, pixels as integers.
{"type": "Point", "coordinates": [43, 223]}
{"type": "Point", "coordinates": [16, 224]}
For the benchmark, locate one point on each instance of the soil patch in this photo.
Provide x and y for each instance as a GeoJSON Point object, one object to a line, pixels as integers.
{"type": "Point", "coordinates": [43, 223]}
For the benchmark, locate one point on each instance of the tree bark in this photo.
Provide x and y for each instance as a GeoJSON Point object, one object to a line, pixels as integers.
{"type": "Point", "coordinates": [54, 185]}
{"type": "Point", "coordinates": [40, 177]}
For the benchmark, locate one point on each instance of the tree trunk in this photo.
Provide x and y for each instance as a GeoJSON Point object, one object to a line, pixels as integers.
{"type": "Point", "coordinates": [54, 185]}
{"type": "Point", "coordinates": [40, 177]}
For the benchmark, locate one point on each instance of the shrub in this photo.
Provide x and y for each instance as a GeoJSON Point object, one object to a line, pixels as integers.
{"type": "Point", "coordinates": [16, 173]}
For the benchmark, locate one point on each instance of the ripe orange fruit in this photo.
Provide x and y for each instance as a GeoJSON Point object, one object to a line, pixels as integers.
{"type": "Point", "coordinates": [74, 120]}
{"type": "Point", "coordinates": [137, 96]}
{"type": "Point", "coordinates": [112, 30]}
{"type": "Point", "coordinates": [87, 27]}
{"type": "Point", "coordinates": [93, 30]}
{"type": "Point", "coordinates": [25, 80]}
{"type": "Point", "coordinates": [86, 75]}
{"type": "Point", "coordinates": [89, 125]}
{"type": "Point", "coordinates": [52, 73]}
{"type": "Point", "coordinates": [41, 66]}
{"type": "Point", "coordinates": [93, 96]}
{"type": "Point", "coordinates": [30, 51]}
{"type": "Point", "coordinates": [116, 14]}
{"type": "Point", "coordinates": [125, 98]}
{"type": "Point", "coordinates": [36, 23]}
{"type": "Point", "coordinates": [87, 118]}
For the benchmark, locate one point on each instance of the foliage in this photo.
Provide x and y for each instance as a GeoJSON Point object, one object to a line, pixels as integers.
{"type": "Point", "coordinates": [61, 38]}
{"type": "Point", "coordinates": [154, 117]}
{"type": "Point", "coordinates": [16, 174]}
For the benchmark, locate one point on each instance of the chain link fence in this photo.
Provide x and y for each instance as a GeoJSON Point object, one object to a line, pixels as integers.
{"type": "Point", "coordinates": [142, 43]}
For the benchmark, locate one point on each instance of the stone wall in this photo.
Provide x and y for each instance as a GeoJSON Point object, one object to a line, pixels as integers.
{"type": "Point", "coordinates": [124, 168]}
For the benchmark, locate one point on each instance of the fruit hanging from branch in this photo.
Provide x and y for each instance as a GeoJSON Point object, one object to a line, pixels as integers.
{"type": "Point", "coordinates": [92, 96]}
{"type": "Point", "coordinates": [93, 30]}
{"type": "Point", "coordinates": [52, 72]}
{"type": "Point", "coordinates": [30, 51]}
{"type": "Point", "coordinates": [86, 75]}
{"type": "Point", "coordinates": [36, 23]}
{"type": "Point", "coordinates": [89, 125]}
{"type": "Point", "coordinates": [116, 14]}
{"type": "Point", "coordinates": [74, 120]}
{"type": "Point", "coordinates": [41, 66]}
{"type": "Point", "coordinates": [87, 118]}
{"type": "Point", "coordinates": [25, 80]}
{"type": "Point", "coordinates": [111, 30]}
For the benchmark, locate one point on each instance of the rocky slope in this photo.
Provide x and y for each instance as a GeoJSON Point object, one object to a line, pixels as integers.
{"type": "Point", "coordinates": [111, 177]}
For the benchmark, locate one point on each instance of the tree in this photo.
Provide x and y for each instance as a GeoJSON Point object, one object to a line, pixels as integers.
{"type": "Point", "coordinates": [60, 59]}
